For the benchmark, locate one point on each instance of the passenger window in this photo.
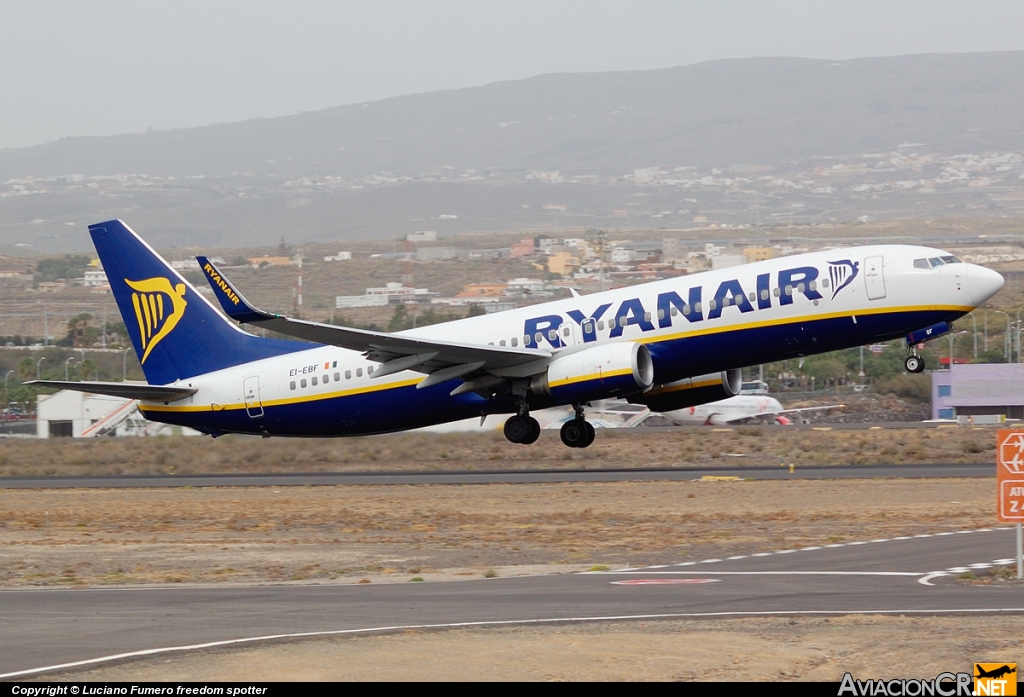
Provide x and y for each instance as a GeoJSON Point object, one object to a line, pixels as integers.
{"type": "Point", "coordinates": [359, 372]}
{"type": "Point", "coordinates": [337, 376]}
{"type": "Point", "coordinates": [712, 305]}
{"type": "Point", "coordinates": [302, 383]}
{"type": "Point", "coordinates": [313, 380]}
{"type": "Point", "coordinates": [647, 317]}
{"type": "Point", "coordinates": [777, 292]}
{"type": "Point", "coordinates": [789, 290]}
{"type": "Point", "coordinates": [526, 341]}
{"type": "Point", "coordinates": [291, 385]}
{"type": "Point", "coordinates": [515, 341]}
{"type": "Point", "coordinates": [800, 287]}
{"type": "Point", "coordinates": [622, 322]}
{"type": "Point", "coordinates": [824, 283]}
{"type": "Point", "coordinates": [565, 330]}
{"type": "Point", "coordinates": [764, 294]}
{"type": "Point", "coordinates": [348, 374]}
{"type": "Point", "coordinates": [675, 311]}
{"type": "Point", "coordinates": [600, 324]}
{"type": "Point", "coordinates": [552, 335]}
{"type": "Point", "coordinates": [753, 296]}
{"type": "Point", "coordinates": [539, 337]}
{"type": "Point", "coordinates": [327, 378]}
{"type": "Point", "coordinates": [661, 313]}
{"type": "Point", "coordinates": [812, 285]}
{"type": "Point", "coordinates": [696, 308]}
{"type": "Point", "coordinates": [369, 371]}
{"type": "Point", "coordinates": [501, 343]}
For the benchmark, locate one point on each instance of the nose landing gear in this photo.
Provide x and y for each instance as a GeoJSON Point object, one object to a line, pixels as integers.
{"type": "Point", "coordinates": [914, 363]}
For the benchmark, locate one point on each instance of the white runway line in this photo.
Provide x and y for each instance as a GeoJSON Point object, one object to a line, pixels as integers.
{"type": "Point", "coordinates": [831, 546]}
{"type": "Point", "coordinates": [500, 623]}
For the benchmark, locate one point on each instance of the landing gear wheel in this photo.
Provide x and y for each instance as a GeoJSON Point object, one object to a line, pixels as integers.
{"type": "Point", "coordinates": [591, 434]}
{"type": "Point", "coordinates": [914, 364]}
{"type": "Point", "coordinates": [522, 429]}
{"type": "Point", "coordinates": [534, 433]}
{"type": "Point", "coordinates": [577, 433]}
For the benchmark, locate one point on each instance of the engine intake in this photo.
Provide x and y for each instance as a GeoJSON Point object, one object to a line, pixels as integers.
{"type": "Point", "coordinates": [690, 392]}
{"type": "Point", "coordinates": [600, 372]}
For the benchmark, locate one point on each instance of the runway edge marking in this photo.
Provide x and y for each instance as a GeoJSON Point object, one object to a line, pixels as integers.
{"type": "Point", "coordinates": [495, 623]}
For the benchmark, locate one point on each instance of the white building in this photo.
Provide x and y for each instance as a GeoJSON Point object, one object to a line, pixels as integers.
{"type": "Point", "coordinates": [69, 414]}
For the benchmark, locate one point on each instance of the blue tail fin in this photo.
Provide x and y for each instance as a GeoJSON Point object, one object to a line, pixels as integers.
{"type": "Point", "coordinates": [176, 332]}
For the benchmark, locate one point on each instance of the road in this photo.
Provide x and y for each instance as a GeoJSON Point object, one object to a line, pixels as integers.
{"type": "Point", "coordinates": [501, 476]}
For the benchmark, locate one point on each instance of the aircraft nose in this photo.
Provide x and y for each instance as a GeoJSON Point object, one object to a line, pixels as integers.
{"type": "Point", "coordinates": [983, 283]}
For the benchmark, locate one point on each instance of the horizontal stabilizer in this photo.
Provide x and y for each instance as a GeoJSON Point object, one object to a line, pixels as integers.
{"type": "Point", "coordinates": [128, 390]}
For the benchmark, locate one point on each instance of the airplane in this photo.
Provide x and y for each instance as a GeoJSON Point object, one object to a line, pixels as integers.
{"type": "Point", "coordinates": [740, 409]}
{"type": "Point", "coordinates": [667, 344]}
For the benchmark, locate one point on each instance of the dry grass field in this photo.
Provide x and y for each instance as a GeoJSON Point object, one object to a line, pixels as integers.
{"type": "Point", "coordinates": [626, 448]}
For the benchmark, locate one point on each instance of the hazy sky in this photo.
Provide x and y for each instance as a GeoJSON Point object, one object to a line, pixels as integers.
{"type": "Point", "coordinates": [98, 68]}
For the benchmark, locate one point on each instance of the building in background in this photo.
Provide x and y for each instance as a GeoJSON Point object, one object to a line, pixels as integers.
{"type": "Point", "coordinates": [978, 389]}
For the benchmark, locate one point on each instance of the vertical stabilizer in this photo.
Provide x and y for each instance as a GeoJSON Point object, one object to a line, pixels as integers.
{"type": "Point", "coordinates": [176, 332]}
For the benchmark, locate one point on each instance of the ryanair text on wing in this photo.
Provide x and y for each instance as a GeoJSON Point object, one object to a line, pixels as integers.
{"type": "Point", "coordinates": [154, 318]}
{"type": "Point", "coordinates": [221, 283]}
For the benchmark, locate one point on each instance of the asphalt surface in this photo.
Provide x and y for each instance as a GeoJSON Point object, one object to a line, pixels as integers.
{"type": "Point", "coordinates": [501, 476]}
{"type": "Point", "coordinates": [53, 628]}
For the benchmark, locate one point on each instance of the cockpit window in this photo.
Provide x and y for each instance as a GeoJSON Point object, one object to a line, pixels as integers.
{"type": "Point", "coordinates": [935, 262]}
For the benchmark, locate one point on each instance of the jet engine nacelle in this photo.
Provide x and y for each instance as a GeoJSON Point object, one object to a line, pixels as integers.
{"type": "Point", "coordinates": [691, 392]}
{"type": "Point", "coordinates": [600, 372]}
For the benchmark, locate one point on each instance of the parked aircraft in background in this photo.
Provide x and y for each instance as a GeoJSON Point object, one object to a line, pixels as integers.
{"type": "Point", "coordinates": [741, 409]}
{"type": "Point", "coordinates": [667, 345]}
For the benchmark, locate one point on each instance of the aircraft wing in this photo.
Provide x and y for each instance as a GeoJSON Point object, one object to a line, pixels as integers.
{"type": "Point", "coordinates": [763, 416]}
{"type": "Point", "coordinates": [128, 390]}
{"type": "Point", "coordinates": [441, 360]}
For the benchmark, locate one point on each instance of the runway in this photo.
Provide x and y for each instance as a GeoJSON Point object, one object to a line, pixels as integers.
{"type": "Point", "coordinates": [54, 630]}
{"type": "Point", "coordinates": [502, 476]}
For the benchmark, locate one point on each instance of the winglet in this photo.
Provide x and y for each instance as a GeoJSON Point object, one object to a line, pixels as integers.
{"type": "Point", "coordinates": [234, 303]}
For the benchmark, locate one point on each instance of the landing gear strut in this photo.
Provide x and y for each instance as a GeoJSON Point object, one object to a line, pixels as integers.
{"type": "Point", "coordinates": [578, 432]}
{"type": "Point", "coordinates": [522, 428]}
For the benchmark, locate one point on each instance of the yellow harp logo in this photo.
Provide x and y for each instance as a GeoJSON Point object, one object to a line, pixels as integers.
{"type": "Point", "coordinates": [155, 319]}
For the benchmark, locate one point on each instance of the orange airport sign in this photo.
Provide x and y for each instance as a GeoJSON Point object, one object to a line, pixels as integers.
{"type": "Point", "coordinates": [1010, 476]}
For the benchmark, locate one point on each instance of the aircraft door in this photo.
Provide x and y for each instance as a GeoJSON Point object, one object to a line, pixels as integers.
{"type": "Point", "coordinates": [251, 390]}
{"type": "Point", "coordinates": [874, 279]}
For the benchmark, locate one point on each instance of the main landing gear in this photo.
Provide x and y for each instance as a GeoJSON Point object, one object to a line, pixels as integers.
{"type": "Point", "coordinates": [522, 428]}
{"type": "Point", "coordinates": [578, 432]}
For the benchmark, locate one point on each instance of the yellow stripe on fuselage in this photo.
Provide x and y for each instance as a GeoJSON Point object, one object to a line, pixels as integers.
{"type": "Point", "coordinates": [282, 402]}
{"type": "Point", "coordinates": [706, 331]}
